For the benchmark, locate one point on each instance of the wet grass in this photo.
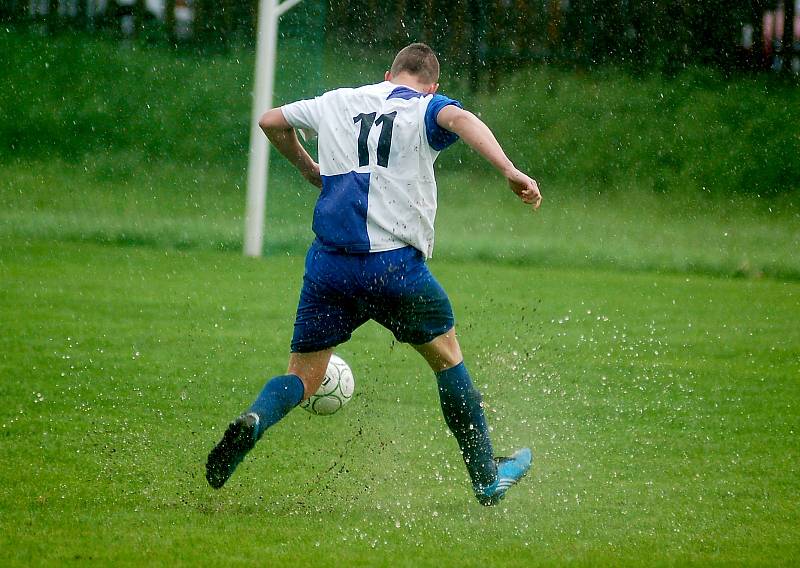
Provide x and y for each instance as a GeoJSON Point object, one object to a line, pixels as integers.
{"type": "Point", "coordinates": [662, 411]}
{"type": "Point", "coordinates": [171, 205]}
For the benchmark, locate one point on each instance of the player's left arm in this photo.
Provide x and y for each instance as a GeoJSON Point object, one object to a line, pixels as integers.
{"type": "Point", "coordinates": [283, 137]}
{"type": "Point", "coordinates": [480, 138]}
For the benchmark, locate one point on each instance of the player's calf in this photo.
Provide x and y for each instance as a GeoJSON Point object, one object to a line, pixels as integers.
{"type": "Point", "coordinates": [279, 396]}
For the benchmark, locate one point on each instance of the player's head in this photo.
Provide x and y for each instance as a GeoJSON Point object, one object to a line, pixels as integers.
{"type": "Point", "coordinates": [419, 61]}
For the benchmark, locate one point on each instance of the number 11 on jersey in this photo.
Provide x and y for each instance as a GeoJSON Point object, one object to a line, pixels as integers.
{"type": "Point", "coordinates": [367, 121]}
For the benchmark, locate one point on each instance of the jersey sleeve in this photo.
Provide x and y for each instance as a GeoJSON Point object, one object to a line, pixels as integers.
{"type": "Point", "coordinates": [303, 114]}
{"type": "Point", "coordinates": [439, 138]}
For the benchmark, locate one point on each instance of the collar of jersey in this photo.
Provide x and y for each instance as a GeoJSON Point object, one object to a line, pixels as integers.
{"type": "Point", "coordinates": [403, 92]}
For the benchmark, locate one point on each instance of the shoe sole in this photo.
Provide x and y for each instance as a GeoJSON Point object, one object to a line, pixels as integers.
{"type": "Point", "coordinates": [238, 439]}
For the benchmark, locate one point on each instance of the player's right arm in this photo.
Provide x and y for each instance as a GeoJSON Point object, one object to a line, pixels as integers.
{"type": "Point", "coordinates": [479, 137]}
{"type": "Point", "coordinates": [283, 137]}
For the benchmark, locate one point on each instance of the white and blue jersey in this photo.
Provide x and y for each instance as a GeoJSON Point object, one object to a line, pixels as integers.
{"type": "Point", "coordinates": [377, 145]}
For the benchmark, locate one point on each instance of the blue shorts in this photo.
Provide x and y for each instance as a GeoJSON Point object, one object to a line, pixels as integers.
{"type": "Point", "coordinates": [341, 291]}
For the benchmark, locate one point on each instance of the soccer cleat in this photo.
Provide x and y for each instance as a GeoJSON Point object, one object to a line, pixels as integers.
{"type": "Point", "coordinates": [509, 471]}
{"type": "Point", "coordinates": [239, 438]}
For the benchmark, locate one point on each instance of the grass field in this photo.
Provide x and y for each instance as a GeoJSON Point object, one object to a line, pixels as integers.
{"type": "Point", "coordinates": [639, 334]}
{"type": "Point", "coordinates": [174, 206]}
{"type": "Point", "coordinates": [662, 411]}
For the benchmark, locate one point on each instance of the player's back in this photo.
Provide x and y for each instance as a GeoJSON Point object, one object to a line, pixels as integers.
{"type": "Point", "coordinates": [377, 145]}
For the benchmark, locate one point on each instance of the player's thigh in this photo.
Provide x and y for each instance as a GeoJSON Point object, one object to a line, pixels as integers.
{"type": "Point", "coordinates": [322, 322]}
{"type": "Point", "coordinates": [414, 306]}
{"type": "Point", "coordinates": [443, 352]}
{"type": "Point", "coordinates": [327, 313]}
{"type": "Point", "coordinates": [310, 367]}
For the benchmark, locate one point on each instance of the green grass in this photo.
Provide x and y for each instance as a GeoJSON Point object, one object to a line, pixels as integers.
{"type": "Point", "coordinates": [178, 207]}
{"type": "Point", "coordinates": [662, 411]}
{"type": "Point", "coordinates": [695, 134]}
{"type": "Point", "coordinates": [129, 144]}
{"type": "Point", "coordinates": [77, 96]}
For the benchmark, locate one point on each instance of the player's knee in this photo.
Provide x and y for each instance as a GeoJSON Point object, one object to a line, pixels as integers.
{"type": "Point", "coordinates": [442, 353]}
{"type": "Point", "coordinates": [448, 360]}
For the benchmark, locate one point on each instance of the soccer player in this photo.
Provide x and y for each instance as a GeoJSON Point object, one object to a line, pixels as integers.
{"type": "Point", "coordinates": [374, 230]}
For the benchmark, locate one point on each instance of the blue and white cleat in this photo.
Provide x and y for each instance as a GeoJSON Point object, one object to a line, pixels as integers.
{"type": "Point", "coordinates": [239, 438]}
{"type": "Point", "coordinates": [509, 471]}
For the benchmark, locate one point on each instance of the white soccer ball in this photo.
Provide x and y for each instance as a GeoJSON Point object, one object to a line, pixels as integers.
{"type": "Point", "coordinates": [335, 391]}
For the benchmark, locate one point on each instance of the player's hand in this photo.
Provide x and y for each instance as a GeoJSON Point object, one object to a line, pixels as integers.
{"type": "Point", "coordinates": [525, 187]}
{"type": "Point", "coordinates": [312, 175]}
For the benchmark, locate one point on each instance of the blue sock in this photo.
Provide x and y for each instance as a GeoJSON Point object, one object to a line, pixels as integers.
{"type": "Point", "coordinates": [461, 405]}
{"type": "Point", "coordinates": [277, 398]}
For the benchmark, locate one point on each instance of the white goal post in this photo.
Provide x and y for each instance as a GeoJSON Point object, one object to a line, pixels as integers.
{"type": "Point", "coordinates": [269, 13]}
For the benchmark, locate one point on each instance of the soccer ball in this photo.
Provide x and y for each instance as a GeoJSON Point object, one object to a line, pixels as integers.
{"type": "Point", "coordinates": [335, 391]}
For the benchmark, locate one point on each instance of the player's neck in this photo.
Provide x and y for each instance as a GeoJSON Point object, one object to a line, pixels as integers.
{"type": "Point", "coordinates": [408, 80]}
